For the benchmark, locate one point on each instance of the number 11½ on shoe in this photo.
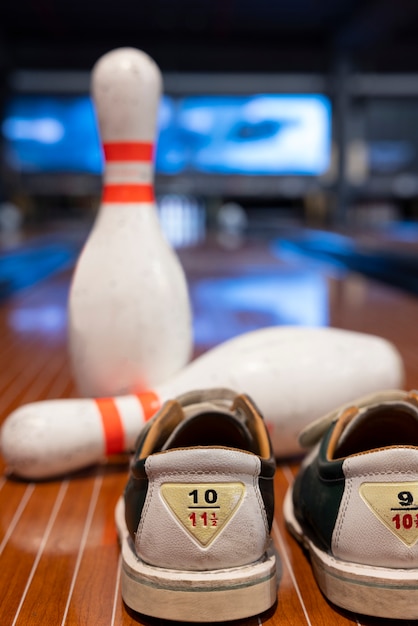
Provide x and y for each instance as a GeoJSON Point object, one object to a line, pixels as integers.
{"type": "Point", "coordinates": [129, 310]}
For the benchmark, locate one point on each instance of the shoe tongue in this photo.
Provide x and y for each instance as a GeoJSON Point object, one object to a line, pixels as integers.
{"type": "Point", "coordinates": [351, 419]}
{"type": "Point", "coordinates": [376, 426]}
{"type": "Point", "coordinates": [206, 424]}
{"type": "Point", "coordinates": [314, 431]}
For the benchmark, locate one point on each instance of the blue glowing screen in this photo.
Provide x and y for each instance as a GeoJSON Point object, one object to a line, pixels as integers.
{"type": "Point", "coordinates": [51, 134]}
{"type": "Point", "coordinates": [252, 135]}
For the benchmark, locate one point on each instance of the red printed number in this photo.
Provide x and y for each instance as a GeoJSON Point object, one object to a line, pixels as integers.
{"type": "Point", "coordinates": [405, 521]}
{"type": "Point", "coordinates": [203, 519]}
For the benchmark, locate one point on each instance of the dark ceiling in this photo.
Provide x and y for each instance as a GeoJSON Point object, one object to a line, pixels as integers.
{"type": "Point", "coordinates": [213, 35]}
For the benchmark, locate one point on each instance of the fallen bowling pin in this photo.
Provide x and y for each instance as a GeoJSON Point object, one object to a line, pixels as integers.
{"type": "Point", "coordinates": [129, 310]}
{"type": "Point", "coordinates": [294, 374]}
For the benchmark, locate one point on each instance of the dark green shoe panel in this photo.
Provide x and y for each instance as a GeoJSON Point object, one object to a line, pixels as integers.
{"type": "Point", "coordinates": [135, 495]}
{"type": "Point", "coordinates": [317, 494]}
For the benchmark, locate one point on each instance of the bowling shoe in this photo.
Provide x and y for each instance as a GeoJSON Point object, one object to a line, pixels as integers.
{"type": "Point", "coordinates": [354, 505]}
{"type": "Point", "coordinates": [194, 521]}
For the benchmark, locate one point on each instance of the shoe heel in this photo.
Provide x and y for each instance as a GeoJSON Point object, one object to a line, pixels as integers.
{"type": "Point", "coordinates": [204, 596]}
{"type": "Point", "coordinates": [375, 591]}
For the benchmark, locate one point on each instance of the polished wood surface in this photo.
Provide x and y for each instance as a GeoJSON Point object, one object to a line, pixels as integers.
{"type": "Point", "coordinates": [59, 554]}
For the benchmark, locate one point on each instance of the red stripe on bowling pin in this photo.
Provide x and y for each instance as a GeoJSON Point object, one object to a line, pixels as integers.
{"type": "Point", "coordinates": [128, 193]}
{"type": "Point", "coordinates": [150, 403]}
{"type": "Point", "coordinates": [128, 151]}
{"type": "Point", "coordinates": [112, 420]}
{"type": "Point", "coordinates": [114, 432]}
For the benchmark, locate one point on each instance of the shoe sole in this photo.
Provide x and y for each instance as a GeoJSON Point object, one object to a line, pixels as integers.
{"type": "Point", "coordinates": [375, 591]}
{"type": "Point", "coordinates": [188, 596]}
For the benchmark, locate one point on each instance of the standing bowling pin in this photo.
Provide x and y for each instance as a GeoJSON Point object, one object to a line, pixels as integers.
{"type": "Point", "coordinates": [295, 375]}
{"type": "Point", "coordinates": [129, 311]}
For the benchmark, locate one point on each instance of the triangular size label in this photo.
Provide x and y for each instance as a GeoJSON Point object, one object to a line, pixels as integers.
{"type": "Point", "coordinates": [396, 506]}
{"type": "Point", "coordinates": [203, 509]}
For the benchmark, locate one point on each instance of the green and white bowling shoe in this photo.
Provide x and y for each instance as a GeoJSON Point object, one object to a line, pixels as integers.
{"type": "Point", "coordinates": [354, 505]}
{"type": "Point", "coordinates": [195, 519]}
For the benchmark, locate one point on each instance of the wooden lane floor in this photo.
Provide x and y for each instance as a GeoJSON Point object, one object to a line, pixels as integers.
{"type": "Point", "coordinates": [59, 554]}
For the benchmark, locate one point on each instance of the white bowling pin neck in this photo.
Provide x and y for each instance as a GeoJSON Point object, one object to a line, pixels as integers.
{"type": "Point", "coordinates": [126, 89]}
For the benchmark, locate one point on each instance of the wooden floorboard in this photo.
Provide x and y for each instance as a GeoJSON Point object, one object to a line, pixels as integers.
{"type": "Point", "coordinates": [59, 554]}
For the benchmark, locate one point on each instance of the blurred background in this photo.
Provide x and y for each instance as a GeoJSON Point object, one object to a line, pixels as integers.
{"type": "Point", "coordinates": [297, 119]}
{"type": "Point", "coordinates": [286, 180]}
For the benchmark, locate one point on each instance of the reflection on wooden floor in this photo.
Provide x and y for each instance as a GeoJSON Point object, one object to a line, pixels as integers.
{"type": "Point", "coordinates": [59, 556]}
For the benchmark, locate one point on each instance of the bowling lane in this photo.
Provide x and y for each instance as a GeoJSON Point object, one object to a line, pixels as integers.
{"type": "Point", "coordinates": [59, 556]}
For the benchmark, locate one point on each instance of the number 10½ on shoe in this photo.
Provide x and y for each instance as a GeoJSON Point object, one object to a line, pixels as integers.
{"type": "Point", "coordinates": [194, 522]}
